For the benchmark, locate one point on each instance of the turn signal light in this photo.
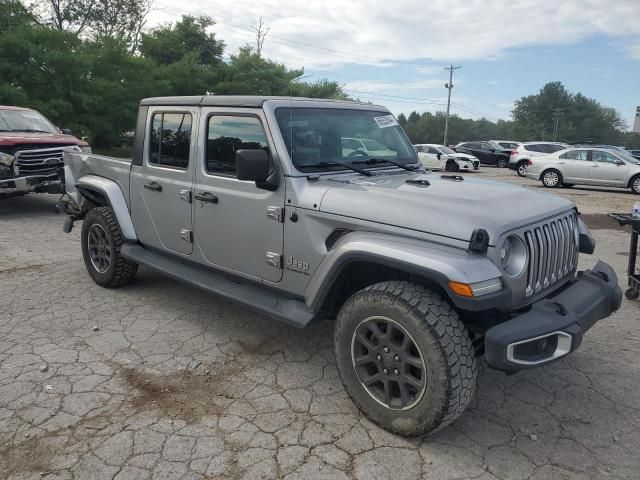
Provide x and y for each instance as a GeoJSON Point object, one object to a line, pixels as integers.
{"type": "Point", "coordinates": [462, 289]}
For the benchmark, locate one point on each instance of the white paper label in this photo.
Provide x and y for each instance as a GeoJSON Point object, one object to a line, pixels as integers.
{"type": "Point", "coordinates": [386, 121]}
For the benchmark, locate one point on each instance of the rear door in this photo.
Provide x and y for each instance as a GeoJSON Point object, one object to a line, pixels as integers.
{"type": "Point", "coordinates": [604, 170]}
{"type": "Point", "coordinates": [238, 226]}
{"type": "Point", "coordinates": [161, 188]}
{"type": "Point", "coordinates": [574, 166]}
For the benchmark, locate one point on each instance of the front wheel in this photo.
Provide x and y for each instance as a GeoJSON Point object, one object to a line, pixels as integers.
{"type": "Point", "coordinates": [451, 166]}
{"type": "Point", "coordinates": [502, 162]}
{"type": "Point", "coordinates": [552, 179]}
{"type": "Point", "coordinates": [101, 242]}
{"type": "Point", "coordinates": [635, 185]}
{"type": "Point", "coordinates": [405, 357]}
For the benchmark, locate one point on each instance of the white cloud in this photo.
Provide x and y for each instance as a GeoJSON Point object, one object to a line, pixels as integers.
{"type": "Point", "coordinates": [330, 32]}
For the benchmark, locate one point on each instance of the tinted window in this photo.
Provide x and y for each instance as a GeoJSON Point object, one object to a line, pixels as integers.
{"type": "Point", "coordinates": [226, 135]}
{"type": "Point", "coordinates": [433, 150]}
{"type": "Point", "coordinates": [536, 148]}
{"type": "Point", "coordinates": [603, 157]}
{"type": "Point", "coordinates": [471, 145]}
{"type": "Point", "coordinates": [555, 148]}
{"type": "Point", "coordinates": [575, 155]}
{"type": "Point", "coordinates": [170, 139]}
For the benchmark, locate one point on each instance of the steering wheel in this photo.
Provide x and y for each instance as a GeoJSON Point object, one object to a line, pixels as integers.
{"type": "Point", "coordinates": [358, 152]}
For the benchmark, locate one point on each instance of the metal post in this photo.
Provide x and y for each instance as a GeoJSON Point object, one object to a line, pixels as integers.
{"type": "Point", "coordinates": [448, 86]}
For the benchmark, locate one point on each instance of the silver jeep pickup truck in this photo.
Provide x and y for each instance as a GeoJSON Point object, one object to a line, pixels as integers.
{"type": "Point", "coordinates": [261, 200]}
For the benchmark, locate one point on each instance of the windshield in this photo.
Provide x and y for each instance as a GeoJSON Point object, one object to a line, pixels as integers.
{"type": "Point", "coordinates": [318, 138]}
{"type": "Point", "coordinates": [628, 158]}
{"type": "Point", "coordinates": [25, 121]}
{"type": "Point", "coordinates": [446, 150]}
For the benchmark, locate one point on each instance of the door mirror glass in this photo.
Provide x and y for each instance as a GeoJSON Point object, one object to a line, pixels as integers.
{"type": "Point", "coordinates": [252, 165]}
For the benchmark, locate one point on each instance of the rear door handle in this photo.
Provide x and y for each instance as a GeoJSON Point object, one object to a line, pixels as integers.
{"type": "Point", "coordinates": [153, 186]}
{"type": "Point", "coordinates": [206, 197]}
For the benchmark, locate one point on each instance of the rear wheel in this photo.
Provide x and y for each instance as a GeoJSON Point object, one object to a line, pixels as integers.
{"type": "Point", "coordinates": [552, 179]}
{"type": "Point", "coordinates": [405, 357]}
{"type": "Point", "coordinates": [635, 184]}
{"type": "Point", "coordinates": [502, 162]}
{"type": "Point", "coordinates": [101, 243]}
{"type": "Point", "coordinates": [522, 169]}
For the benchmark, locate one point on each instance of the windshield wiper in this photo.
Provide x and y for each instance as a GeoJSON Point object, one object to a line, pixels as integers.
{"type": "Point", "coordinates": [28, 130]}
{"type": "Point", "coordinates": [337, 164]}
{"type": "Point", "coordinates": [371, 161]}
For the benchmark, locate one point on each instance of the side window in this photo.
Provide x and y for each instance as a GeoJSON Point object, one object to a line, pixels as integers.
{"type": "Point", "coordinates": [433, 151]}
{"type": "Point", "coordinates": [228, 134]}
{"type": "Point", "coordinates": [555, 148]}
{"type": "Point", "coordinates": [471, 145]}
{"type": "Point", "coordinates": [536, 148]}
{"type": "Point", "coordinates": [350, 144]}
{"type": "Point", "coordinates": [170, 139]}
{"type": "Point", "coordinates": [603, 157]}
{"type": "Point", "coordinates": [575, 155]}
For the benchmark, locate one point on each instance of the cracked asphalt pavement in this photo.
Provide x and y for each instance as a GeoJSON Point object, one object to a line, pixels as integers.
{"type": "Point", "coordinates": [157, 380]}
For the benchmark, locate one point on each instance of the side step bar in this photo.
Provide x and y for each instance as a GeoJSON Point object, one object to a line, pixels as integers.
{"type": "Point", "coordinates": [287, 310]}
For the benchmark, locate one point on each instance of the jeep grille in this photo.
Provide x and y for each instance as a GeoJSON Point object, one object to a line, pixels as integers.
{"type": "Point", "coordinates": [553, 252]}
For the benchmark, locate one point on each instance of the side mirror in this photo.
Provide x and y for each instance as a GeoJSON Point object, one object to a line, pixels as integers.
{"type": "Point", "coordinates": [439, 156]}
{"type": "Point", "coordinates": [619, 162]}
{"type": "Point", "coordinates": [253, 165]}
{"type": "Point", "coordinates": [66, 131]}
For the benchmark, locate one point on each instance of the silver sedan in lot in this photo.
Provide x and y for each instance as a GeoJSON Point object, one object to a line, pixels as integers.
{"type": "Point", "coordinates": [586, 166]}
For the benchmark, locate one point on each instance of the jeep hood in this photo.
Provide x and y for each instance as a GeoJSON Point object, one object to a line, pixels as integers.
{"type": "Point", "coordinates": [451, 208]}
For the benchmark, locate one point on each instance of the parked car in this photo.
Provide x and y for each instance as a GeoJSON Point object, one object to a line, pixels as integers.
{"type": "Point", "coordinates": [519, 159]}
{"type": "Point", "coordinates": [438, 157]}
{"type": "Point", "coordinates": [31, 152]}
{"type": "Point", "coordinates": [487, 152]}
{"type": "Point", "coordinates": [421, 272]}
{"type": "Point", "coordinates": [507, 144]}
{"type": "Point", "coordinates": [586, 166]}
{"type": "Point", "coordinates": [634, 153]}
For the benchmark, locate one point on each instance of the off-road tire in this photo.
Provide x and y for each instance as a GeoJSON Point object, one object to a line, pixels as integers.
{"type": "Point", "coordinates": [521, 169]}
{"type": "Point", "coordinates": [547, 178]}
{"type": "Point", "coordinates": [634, 184]}
{"type": "Point", "coordinates": [442, 340]}
{"type": "Point", "coordinates": [502, 162]}
{"type": "Point", "coordinates": [120, 271]}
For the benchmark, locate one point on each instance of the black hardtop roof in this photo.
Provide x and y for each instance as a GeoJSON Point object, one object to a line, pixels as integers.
{"type": "Point", "coordinates": [250, 101]}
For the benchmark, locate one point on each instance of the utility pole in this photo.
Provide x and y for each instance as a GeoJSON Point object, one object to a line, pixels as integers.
{"type": "Point", "coordinates": [556, 116]}
{"type": "Point", "coordinates": [448, 86]}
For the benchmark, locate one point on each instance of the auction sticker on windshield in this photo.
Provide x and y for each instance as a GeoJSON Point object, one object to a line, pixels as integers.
{"type": "Point", "coordinates": [386, 121]}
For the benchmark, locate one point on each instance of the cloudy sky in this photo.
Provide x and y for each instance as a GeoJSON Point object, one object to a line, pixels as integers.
{"type": "Point", "coordinates": [394, 53]}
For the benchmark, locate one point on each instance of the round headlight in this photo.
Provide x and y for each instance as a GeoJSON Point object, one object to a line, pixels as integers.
{"type": "Point", "coordinates": [513, 256]}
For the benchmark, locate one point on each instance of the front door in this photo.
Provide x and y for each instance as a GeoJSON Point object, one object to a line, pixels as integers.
{"type": "Point", "coordinates": [238, 226]}
{"type": "Point", "coordinates": [574, 166]}
{"type": "Point", "coordinates": [605, 171]}
{"type": "Point", "coordinates": [161, 186]}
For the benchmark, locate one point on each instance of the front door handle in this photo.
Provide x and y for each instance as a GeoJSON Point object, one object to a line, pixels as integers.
{"type": "Point", "coordinates": [153, 186]}
{"type": "Point", "coordinates": [206, 197]}
{"type": "Point", "coordinates": [562, 163]}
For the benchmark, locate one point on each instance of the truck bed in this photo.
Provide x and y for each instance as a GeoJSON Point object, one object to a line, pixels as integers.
{"type": "Point", "coordinates": [77, 165]}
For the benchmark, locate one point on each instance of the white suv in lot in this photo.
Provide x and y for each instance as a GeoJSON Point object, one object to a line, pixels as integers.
{"type": "Point", "coordinates": [586, 166]}
{"type": "Point", "coordinates": [520, 156]}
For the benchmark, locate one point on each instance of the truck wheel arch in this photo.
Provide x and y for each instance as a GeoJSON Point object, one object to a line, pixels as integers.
{"type": "Point", "coordinates": [107, 193]}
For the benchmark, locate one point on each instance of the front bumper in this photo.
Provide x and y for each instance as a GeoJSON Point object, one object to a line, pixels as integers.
{"type": "Point", "coordinates": [554, 326]}
{"type": "Point", "coordinates": [42, 183]}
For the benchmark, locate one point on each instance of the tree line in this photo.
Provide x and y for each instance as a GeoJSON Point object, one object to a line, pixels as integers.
{"type": "Point", "coordinates": [85, 64]}
{"type": "Point", "coordinates": [552, 114]}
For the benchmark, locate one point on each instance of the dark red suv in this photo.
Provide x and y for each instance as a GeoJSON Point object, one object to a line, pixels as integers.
{"type": "Point", "coordinates": [31, 150]}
